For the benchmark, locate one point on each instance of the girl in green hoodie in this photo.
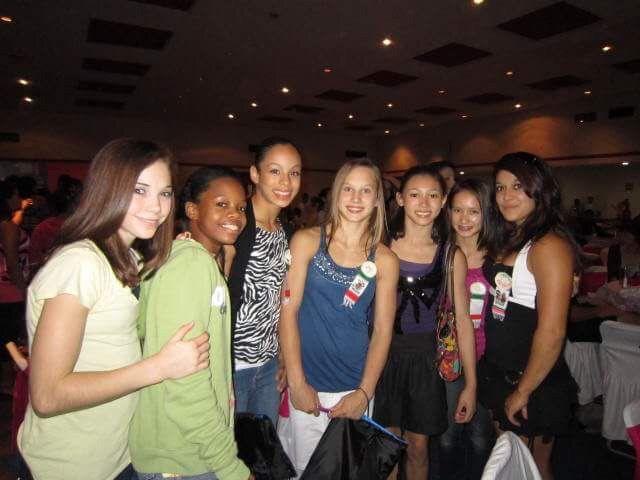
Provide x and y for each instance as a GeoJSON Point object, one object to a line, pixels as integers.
{"type": "Point", "coordinates": [184, 429]}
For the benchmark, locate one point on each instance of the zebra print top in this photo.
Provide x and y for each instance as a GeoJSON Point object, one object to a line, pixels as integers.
{"type": "Point", "coordinates": [255, 339]}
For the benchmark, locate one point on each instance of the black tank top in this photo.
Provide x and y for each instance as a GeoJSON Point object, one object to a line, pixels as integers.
{"type": "Point", "coordinates": [509, 341]}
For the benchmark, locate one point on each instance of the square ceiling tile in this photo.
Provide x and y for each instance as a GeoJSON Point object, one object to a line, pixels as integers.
{"type": "Point", "coordinates": [339, 96]}
{"type": "Point", "coordinates": [387, 78]}
{"type": "Point", "coordinates": [436, 110]}
{"type": "Point", "coordinates": [276, 119]}
{"type": "Point", "coordinates": [309, 109]}
{"type": "Point", "coordinates": [359, 128]}
{"type": "Point", "coordinates": [183, 5]}
{"type": "Point", "coordinates": [125, 34]}
{"type": "Point", "coordinates": [622, 112]}
{"type": "Point", "coordinates": [556, 83]}
{"type": "Point", "coordinates": [631, 66]}
{"type": "Point", "coordinates": [452, 55]}
{"type": "Point", "coordinates": [105, 87]}
{"type": "Point", "coordinates": [557, 18]}
{"type": "Point", "coordinates": [9, 137]}
{"type": "Point", "coordinates": [95, 103]}
{"type": "Point", "coordinates": [114, 66]}
{"type": "Point", "coordinates": [489, 98]}
{"type": "Point", "coordinates": [394, 120]}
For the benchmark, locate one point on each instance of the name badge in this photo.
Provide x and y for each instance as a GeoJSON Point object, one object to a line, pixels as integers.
{"type": "Point", "coordinates": [501, 295]}
{"type": "Point", "coordinates": [219, 299]}
{"type": "Point", "coordinates": [478, 291]}
{"type": "Point", "coordinates": [365, 274]}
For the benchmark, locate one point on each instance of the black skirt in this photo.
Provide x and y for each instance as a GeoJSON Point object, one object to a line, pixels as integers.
{"type": "Point", "coordinates": [549, 409]}
{"type": "Point", "coordinates": [410, 394]}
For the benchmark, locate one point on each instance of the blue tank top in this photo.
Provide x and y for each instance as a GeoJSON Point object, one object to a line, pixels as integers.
{"type": "Point", "coordinates": [333, 338]}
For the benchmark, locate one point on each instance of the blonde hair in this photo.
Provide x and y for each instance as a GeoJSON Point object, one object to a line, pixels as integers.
{"type": "Point", "coordinates": [377, 225]}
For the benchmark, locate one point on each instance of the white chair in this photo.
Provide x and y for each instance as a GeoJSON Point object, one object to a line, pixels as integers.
{"type": "Point", "coordinates": [620, 362]}
{"type": "Point", "coordinates": [631, 415]}
{"type": "Point", "coordinates": [510, 459]}
{"type": "Point", "coordinates": [583, 360]}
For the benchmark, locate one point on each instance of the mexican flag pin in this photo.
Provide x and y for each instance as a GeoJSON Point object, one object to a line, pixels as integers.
{"type": "Point", "coordinates": [365, 274]}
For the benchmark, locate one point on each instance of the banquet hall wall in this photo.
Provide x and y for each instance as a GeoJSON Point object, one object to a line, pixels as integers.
{"type": "Point", "coordinates": [587, 156]}
{"type": "Point", "coordinates": [65, 143]}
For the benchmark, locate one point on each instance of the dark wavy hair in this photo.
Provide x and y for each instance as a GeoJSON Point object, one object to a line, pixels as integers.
{"type": "Point", "coordinates": [482, 191]}
{"type": "Point", "coordinates": [440, 228]}
{"type": "Point", "coordinates": [540, 184]}
{"type": "Point", "coordinates": [198, 183]}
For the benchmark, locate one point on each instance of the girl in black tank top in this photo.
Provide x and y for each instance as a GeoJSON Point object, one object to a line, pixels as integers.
{"type": "Point", "coordinates": [523, 379]}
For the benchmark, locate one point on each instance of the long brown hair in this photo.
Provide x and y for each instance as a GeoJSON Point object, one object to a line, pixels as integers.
{"type": "Point", "coordinates": [377, 227]}
{"type": "Point", "coordinates": [105, 201]}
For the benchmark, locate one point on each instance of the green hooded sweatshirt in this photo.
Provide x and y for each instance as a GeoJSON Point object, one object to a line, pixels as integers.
{"type": "Point", "coordinates": [186, 426]}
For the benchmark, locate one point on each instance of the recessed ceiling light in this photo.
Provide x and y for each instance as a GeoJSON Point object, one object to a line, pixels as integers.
{"type": "Point", "coordinates": [284, 90]}
{"type": "Point", "coordinates": [625, 164]}
{"type": "Point", "coordinates": [350, 116]}
{"type": "Point", "coordinates": [387, 132]}
{"type": "Point", "coordinates": [6, 19]}
{"type": "Point", "coordinates": [386, 42]}
{"type": "Point", "coordinates": [318, 124]}
{"type": "Point", "coordinates": [327, 70]}
{"type": "Point", "coordinates": [461, 172]}
{"type": "Point", "coordinates": [254, 105]}
{"type": "Point", "coordinates": [581, 121]}
{"type": "Point", "coordinates": [464, 115]}
{"type": "Point", "coordinates": [231, 116]}
{"type": "Point", "coordinates": [23, 81]}
{"type": "Point", "coordinates": [28, 99]}
{"type": "Point", "coordinates": [518, 105]}
{"type": "Point", "coordinates": [389, 105]}
{"type": "Point", "coordinates": [442, 92]}
{"type": "Point", "coordinates": [478, 2]}
{"type": "Point", "coordinates": [422, 124]}
{"type": "Point", "coordinates": [587, 92]}
{"type": "Point", "coordinates": [607, 47]}
{"type": "Point", "coordinates": [509, 73]}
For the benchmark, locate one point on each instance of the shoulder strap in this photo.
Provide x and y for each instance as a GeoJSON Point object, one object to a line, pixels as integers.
{"type": "Point", "coordinates": [449, 258]}
{"type": "Point", "coordinates": [372, 253]}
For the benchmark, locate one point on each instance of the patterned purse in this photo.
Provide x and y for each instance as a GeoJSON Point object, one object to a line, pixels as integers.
{"type": "Point", "coordinates": [447, 352]}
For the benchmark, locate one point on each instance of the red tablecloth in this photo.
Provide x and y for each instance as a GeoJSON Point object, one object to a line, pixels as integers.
{"type": "Point", "coordinates": [592, 281]}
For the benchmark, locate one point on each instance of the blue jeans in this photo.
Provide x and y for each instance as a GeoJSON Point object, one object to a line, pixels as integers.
{"type": "Point", "coordinates": [159, 476]}
{"type": "Point", "coordinates": [256, 390]}
{"type": "Point", "coordinates": [127, 474]}
{"type": "Point", "coordinates": [478, 434]}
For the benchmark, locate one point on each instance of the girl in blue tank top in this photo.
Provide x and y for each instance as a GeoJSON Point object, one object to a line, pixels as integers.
{"type": "Point", "coordinates": [340, 277]}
